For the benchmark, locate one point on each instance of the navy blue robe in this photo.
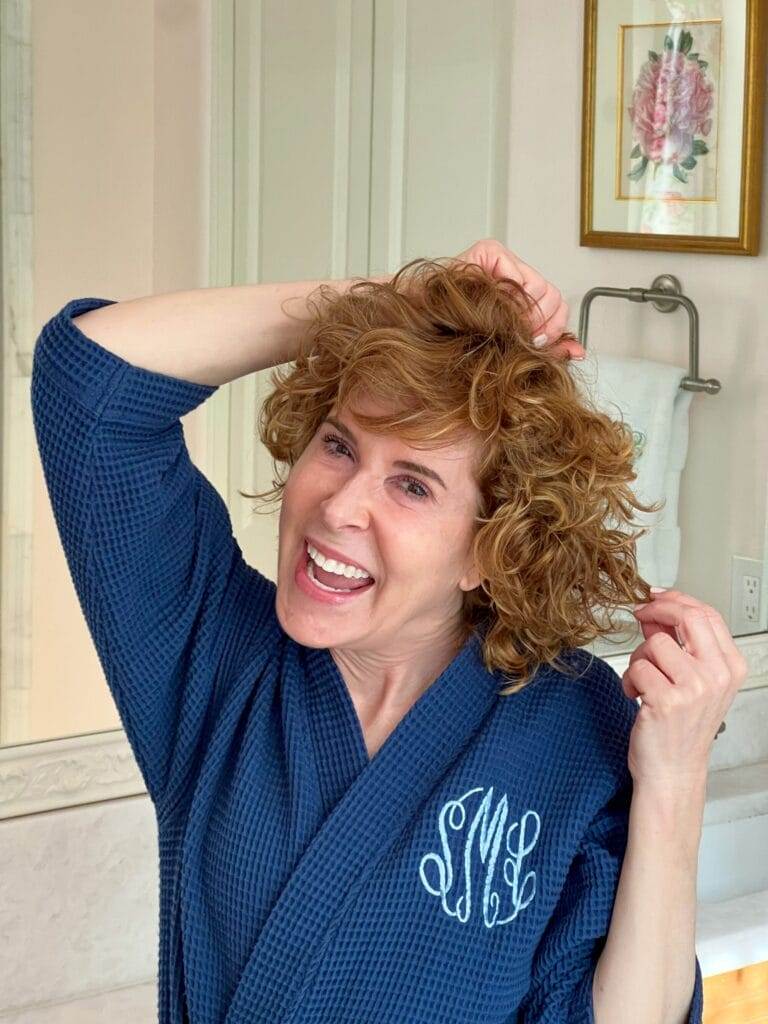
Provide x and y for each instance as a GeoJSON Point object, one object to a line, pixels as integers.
{"type": "Point", "coordinates": [464, 874]}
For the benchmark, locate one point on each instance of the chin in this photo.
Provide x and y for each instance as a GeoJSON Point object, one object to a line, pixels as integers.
{"type": "Point", "coordinates": [300, 629]}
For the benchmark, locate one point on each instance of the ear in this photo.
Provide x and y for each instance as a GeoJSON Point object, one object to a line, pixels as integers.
{"type": "Point", "coordinates": [470, 579]}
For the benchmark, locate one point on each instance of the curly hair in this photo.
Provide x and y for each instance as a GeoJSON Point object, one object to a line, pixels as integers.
{"type": "Point", "coordinates": [451, 346]}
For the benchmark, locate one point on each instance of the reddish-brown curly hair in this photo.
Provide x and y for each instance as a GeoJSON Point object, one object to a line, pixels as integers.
{"type": "Point", "coordinates": [451, 347]}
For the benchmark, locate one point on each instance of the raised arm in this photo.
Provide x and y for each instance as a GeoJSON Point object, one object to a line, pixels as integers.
{"type": "Point", "coordinates": [170, 603]}
{"type": "Point", "coordinates": [206, 335]}
{"type": "Point", "coordinates": [215, 335]}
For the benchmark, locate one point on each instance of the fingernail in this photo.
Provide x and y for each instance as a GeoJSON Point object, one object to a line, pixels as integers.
{"type": "Point", "coordinates": [578, 357]}
{"type": "Point", "coordinates": [540, 340]}
{"type": "Point", "coordinates": [658, 590]}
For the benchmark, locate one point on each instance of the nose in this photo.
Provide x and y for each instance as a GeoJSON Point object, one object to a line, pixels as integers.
{"type": "Point", "coordinates": [350, 502]}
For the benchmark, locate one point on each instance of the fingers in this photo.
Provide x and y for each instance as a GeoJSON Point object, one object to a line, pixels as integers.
{"type": "Point", "coordinates": [691, 623]}
{"type": "Point", "coordinates": [730, 651]}
{"type": "Point", "coordinates": [690, 607]}
{"type": "Point", "coordinates": [664, 653]}
{"type": "Point", "coordinates": [654, 670]}
{"type": "Point", "coordinates": [551, 313]}
{"type": "Point", "coordinates": [556, 323]}
{"type": "Point", "coordinates": [508, 264]}
{"type": "Point", "coordinates": [567, 350]}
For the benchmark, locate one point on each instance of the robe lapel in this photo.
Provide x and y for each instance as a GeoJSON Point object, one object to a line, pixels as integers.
{"type": "Point", "coordinates": [371, 802]}
{"type": "Point", "coordinates": [337, 737]}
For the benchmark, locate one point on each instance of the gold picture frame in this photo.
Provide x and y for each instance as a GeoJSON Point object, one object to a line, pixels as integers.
{"type": "Point", "coordinates": [695, 194]}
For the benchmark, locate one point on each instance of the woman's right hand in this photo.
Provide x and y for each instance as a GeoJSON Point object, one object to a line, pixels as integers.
{"type": "Point", "coordinates": [549, 324]}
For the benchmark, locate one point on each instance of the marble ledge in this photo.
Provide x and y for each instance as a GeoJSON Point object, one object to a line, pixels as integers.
{"type": "Point", "coordinates": [136, 1004]}
{"type": "Point", "coordinates": [729, 935]}
{"type": "Point", "coordinates": [732, 933]}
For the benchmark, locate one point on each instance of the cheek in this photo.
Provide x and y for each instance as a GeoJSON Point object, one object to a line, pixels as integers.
{"type": "Point", "coordinates": [299, 485]}
{"type": "Point", "coordinates": [294, 501]}
{"type": "Point", "coordinates": [417, 555]}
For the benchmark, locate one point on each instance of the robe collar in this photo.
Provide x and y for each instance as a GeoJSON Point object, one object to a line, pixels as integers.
{"type": "Point", "coordinates": [369, 802]}
{"type": "Point", "coordinates": [450, 708]}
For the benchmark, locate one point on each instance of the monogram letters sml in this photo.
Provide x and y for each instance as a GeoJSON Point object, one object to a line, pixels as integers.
{"type": "Point", "coordinates": [481, 839]}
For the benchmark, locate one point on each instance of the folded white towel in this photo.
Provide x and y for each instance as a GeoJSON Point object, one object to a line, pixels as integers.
{"type": "Point", "coordinates": [648, 397]}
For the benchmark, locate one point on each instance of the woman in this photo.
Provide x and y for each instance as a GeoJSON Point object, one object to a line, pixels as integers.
{"type": "Point", "coordinates": [409, 801]}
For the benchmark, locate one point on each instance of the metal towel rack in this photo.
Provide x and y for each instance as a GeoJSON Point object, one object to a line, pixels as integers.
{"type": "Point", "coordinates": [666, 295]}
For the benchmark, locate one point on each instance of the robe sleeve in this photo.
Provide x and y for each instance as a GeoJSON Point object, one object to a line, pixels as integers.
{"type": "Point", "coordinates": [147, 540]}
{"type": "Point", "coordinates": [566, 957]}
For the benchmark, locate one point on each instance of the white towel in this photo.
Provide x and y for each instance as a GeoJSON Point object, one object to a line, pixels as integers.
{"type": "Point", "coordinates": [648, 397]}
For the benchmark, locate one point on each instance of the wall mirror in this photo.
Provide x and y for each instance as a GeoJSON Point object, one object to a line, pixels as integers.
{"type": "Point", "coordinates": [204, 145]}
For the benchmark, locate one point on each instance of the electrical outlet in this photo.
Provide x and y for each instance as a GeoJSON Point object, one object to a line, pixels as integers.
{"type": "Point", "coordinates": [750, 598]}
{"type": "Point", "coordinates": [747, 610]}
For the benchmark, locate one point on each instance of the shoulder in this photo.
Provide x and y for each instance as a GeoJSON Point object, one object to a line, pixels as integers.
{"type": "Point", "coordinates": [585, 707]}
{"type": "Point", "coordinates": [608, 713]}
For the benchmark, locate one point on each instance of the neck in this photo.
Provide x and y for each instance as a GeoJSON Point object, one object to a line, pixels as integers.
{"type": "Point", "coordinates": [389, 682]}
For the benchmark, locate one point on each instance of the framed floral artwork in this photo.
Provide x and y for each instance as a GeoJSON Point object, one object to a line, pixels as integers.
{"type": "Point", "coordinates": [672, 124]}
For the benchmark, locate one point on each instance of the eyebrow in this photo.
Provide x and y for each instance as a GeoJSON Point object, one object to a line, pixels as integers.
{"type": "Point", "coordinates": [414, 467]}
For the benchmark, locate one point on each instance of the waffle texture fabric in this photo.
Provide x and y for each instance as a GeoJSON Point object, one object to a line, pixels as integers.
{"type": "Point", "coordinates": [465, 873]}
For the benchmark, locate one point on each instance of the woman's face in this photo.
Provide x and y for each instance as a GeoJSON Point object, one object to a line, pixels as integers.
{"type": "Point", "coordinates": [411, 533]}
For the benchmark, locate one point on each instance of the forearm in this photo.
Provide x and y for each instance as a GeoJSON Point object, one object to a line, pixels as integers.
{"type": "Point", "coordinates": [207, 335]}
{"type": "Point", "coordinates": [646, 971]}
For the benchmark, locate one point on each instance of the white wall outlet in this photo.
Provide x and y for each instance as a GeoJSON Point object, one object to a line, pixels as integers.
{"type": "Point", "coordinates": [748, 612]}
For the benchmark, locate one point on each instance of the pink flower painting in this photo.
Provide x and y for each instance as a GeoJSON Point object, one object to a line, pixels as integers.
{"type": "Point", "coordinates": [671, 105]}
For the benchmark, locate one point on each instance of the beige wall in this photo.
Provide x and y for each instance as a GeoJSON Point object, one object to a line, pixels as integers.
{"type": "Point", "coordinates": [120, 156]}
{"type": "Point", "coordinates": [120, 161]}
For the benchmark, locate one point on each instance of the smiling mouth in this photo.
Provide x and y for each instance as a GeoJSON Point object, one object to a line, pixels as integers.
{"type": "Point", "coordinates": [311, 566]}
{"type": "Point", "coordinates": [370, 575]}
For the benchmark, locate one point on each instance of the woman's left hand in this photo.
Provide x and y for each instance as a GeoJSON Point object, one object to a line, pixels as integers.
{"type": "Point", "coordinates": [685, 693]}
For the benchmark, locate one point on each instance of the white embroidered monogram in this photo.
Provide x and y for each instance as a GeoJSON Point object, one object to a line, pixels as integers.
{"type": "Point", "coordinates": [482, 838]}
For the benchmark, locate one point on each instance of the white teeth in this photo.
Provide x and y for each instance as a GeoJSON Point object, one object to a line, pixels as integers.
{"type": "Point", "coordinates": [332, 590]}
{"type": "Point", "coordinates": [340, 568]}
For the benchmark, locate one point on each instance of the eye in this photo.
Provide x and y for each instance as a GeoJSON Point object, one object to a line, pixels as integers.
{"type": "Point", "coordinates": [329, 440]}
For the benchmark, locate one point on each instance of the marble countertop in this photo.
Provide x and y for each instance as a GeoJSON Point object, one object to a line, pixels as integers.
{"type": "Point", "coordinates": [729, 935]}
{"type": "Point", "coordinates": [732, 933]}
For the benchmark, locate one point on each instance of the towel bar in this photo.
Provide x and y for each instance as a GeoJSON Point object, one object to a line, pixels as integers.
{"type": "Point", "coordinates": [666, 295]}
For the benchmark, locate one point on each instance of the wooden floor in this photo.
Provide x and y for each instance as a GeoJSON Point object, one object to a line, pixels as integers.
{"type": "Point", "coordinates": [737, 997]}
